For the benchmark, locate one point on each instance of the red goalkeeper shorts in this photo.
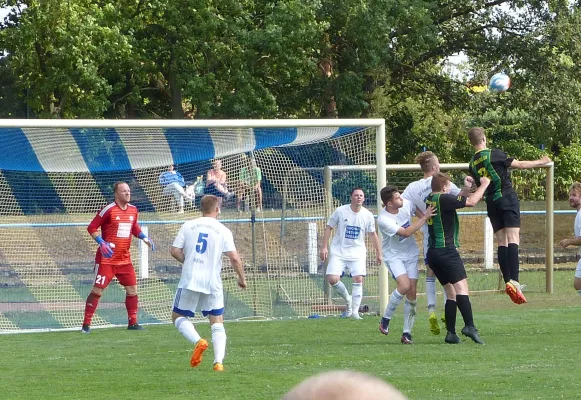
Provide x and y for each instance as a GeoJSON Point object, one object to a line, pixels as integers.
{"type": "Point", "coordinates": [104, 273]}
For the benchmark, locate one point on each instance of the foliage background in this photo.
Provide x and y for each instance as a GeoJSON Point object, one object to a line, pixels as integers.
{"type": "Point", "coordinates": [309, 59]}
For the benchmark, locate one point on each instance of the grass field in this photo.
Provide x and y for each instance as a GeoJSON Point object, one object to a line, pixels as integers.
{"type": "Point", "coordinates": [531, 352]}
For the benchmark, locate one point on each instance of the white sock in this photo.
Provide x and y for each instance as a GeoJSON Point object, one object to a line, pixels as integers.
{"type": "Point", "coordinates": [394, 301]}
{"type": "Point", "coordinates": [579, 291]}
{"type": "Point", "coordinates": [409, 315]}
{"type": "Point", "coordinates": [219, 342]}
{"type": "Point", "coordinates": [186, 328]}
{"type": "Point", "coordinates": [356, 296]}
{"type": "Point", "coordinates": [445, 296]}
{"type": "Point", "coordinates": [431, 293]}
{"type": "Point", "coordinates": [341, 290]}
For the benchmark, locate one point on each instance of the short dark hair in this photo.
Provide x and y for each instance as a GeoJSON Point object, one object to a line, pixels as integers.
{"type": "Point", "coordinates": [439, 180]}
{"type": "Point", "coordinates": [387, 193]}
{"type": "Point", "coordinates": [357, 188]}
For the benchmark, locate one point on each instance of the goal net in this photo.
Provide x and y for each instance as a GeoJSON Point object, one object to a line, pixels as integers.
{"type": "Point", "coordinates": [55, 175]}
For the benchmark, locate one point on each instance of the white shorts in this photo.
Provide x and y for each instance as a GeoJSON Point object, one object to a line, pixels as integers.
{"type": "Point", "coordinates": [578, 270]}
{"type": "Point", "coordinates": [337, 266]}
{"type": "Point", "coordinates": [398, 266]}
{"type": "Point", "coordinates": [186, 301]}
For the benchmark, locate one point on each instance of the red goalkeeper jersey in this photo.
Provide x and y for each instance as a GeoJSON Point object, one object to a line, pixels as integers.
{"type": "Point", "coordinates": [117, 227]}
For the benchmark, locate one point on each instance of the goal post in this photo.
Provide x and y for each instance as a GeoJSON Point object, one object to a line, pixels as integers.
{"type": "Point", "coordinates": [57, 173]}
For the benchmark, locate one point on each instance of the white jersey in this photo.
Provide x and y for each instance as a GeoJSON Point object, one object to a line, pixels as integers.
{"type": "Point", "coordinates": [416, 192]}
{"type": "Point", "coordinates": [577, 226]}
{"type": "Point", "coordinates": [395, 246]}
{"type": "Point", "coordinates": [203, 241]}
{"type": "Point", "coordinates": [350, 229]}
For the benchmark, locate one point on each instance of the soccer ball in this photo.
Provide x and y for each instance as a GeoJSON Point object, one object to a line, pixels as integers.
{"type": "Point", "coordinates": [499, 82]}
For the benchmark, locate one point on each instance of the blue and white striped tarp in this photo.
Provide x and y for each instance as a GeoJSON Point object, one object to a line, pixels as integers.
{"type": "Point", "coordinates": [97, 150]}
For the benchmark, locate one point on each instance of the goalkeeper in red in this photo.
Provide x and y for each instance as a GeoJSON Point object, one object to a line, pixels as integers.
{"type": "Point", "coordinates": [118, 223]}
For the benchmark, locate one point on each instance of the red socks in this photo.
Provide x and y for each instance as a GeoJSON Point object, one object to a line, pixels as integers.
{"type": "Point", "coordinates": [131, 305]}
{"type": "Point", "coordinates": [90, 307]}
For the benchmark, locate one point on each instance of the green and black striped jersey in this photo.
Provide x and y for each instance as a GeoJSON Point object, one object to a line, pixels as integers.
{"type": "Point", "coordinates": [492, 164]}
{"type": "Point", "coordinates": [443, 228]}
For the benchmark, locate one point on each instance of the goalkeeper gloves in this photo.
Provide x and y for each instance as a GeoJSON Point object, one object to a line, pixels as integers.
{"type": "Point", "coordinates": [147, 240]}
{"type": "Point", "coordinates": [106, 250]}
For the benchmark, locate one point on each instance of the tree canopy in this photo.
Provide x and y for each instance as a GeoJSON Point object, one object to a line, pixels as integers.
{"type": "Point", "coordinates": [304, 59]}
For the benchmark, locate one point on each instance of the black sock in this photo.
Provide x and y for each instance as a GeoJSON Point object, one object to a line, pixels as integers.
{"type": "Point", "coordinates": [465, 309]}
{"type": "Point", "coordinates": [450, 313]}
{"type": "Point", "coordinates": [503, 262]}
{"type": "Point", "coordinates": [513, 262]}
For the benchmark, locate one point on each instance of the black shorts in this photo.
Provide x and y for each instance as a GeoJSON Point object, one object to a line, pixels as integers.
{"type": "Point", "coordinates": [504, 212]}
{"type": "Point", "coordinates": [447, 265]}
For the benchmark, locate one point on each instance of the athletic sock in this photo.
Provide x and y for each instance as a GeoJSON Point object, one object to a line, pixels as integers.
{"type": "Point", "coordinates": [513, 261]}
{"type": "Point", "coordinates": [90, 307]}
{"type": "Point", "coordinates": [431, 293]}
{"type": "Point", "coordinates": [341, 290]}
{"type": "Point", "coordinates": [394, 300]}
{"type": "Point", "coordinates": [356, 296]}
{"type": "Point", "coordinates": [409, 315]}
{"type": "Point", "coordinates": [131, 306]}
{"type": "Point", "coordinates": [186, 328]}
{"type": "Point", "coordinates": [465, 309]}
{"type": "Point", "coordinates": [503, 263]}
{"type": "Point", "coordinates": [450, 312]}
{"type": "Point", "coordinates": [219, 342]}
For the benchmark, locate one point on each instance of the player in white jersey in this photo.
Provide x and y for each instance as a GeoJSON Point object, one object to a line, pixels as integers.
{"type": "Point", "coordinates": [199, 245]}
{"type": "Point", "coordinates": [400, 253]}
{"type": "Point", "coordinates": [348, 252]}
{"type": "Point", "coordinates": [575, 202]}
{"type": "Point", "coordinates": [416, 192]}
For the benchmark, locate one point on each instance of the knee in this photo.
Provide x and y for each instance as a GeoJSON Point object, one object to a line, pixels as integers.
{"type": "Point", "coordinates": [403, 287]}
{"type": "Point", "coordinates": [577, 283]}
{"type": "Point", "coordinates": [333, 279]}
{"type": "Point", "coordinates": [131, 290]}
{"type": "Point", "coordinates": [358, 279]}
{"type": "Point", "coordinates": [97, 290]}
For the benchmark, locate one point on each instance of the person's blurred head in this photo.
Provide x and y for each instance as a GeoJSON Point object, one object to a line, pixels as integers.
{"type": "Point", "coordinates": [428, 162]}
{"type": "Point", "coordinates": [476, 136]}
{"type": "Point", "coordinates": [209, 205]}
{"type": "Point", "coordinates": [575, 195]}
{"type": "Point", "coordinates": [217, 164]}
{"type": "Point", "coordinates": [440, 183]}
{"type": "Point", "coordinates": [390, 197]}
{"type": "Point", "coordinates": [343, 385]}
{"type": "Point", "coordinates": [122, 193]}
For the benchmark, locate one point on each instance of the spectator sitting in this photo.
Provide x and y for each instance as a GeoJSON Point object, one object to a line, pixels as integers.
{"type": "Point", "coordinates": [250, 177]}
{"type": "Point", "coordinates": [216, 182]}
{"type": "Point", "coordinates": [173, 185]}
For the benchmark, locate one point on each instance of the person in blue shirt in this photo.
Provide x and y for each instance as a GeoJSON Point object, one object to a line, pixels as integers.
{"type": "Point", "coordinates": [173, 185]}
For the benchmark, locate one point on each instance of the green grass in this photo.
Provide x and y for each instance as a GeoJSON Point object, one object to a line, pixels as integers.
{"type": "Point", "coordinates": [531, 352]}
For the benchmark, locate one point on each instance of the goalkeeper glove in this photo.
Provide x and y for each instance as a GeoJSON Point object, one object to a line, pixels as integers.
{"type": "Point", "coordinates": [106, 250]}
{"type": "Point", "coordinates": [147, 240]}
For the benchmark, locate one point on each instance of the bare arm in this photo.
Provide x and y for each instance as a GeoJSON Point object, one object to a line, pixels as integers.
{"type": "Point", "coordinates": [238, 267]}
{"type": "Point", "coordinates": [177, 253]}
{"type": "Point", "coordinates": [413, 228]}
{"type": "Point", "coordinates": [576, 241]}
{"type": "Point", "coordinates": [530, 164]}
{"type": "Point", "coordinates": [477, 195]}
{"type": "Point", "coordinates": [324, 251]}
{"type": "Point", "coordinates": [377, 246]}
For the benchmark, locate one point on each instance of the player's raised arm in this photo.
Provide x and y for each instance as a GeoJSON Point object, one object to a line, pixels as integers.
{"type": "Point", "coordinates": [477, 195]}
{"type": "Point", "coordinates": [530, 164]}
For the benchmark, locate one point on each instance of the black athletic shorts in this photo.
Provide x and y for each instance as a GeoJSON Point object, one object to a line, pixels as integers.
{"type": "Point", "coordinates": [504, 212]}
{"type": "Point", "coordinates": [447, 265]}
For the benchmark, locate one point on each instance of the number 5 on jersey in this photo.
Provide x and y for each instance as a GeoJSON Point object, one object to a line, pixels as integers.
{"type": "Point", "coordinates": [202, 244]}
